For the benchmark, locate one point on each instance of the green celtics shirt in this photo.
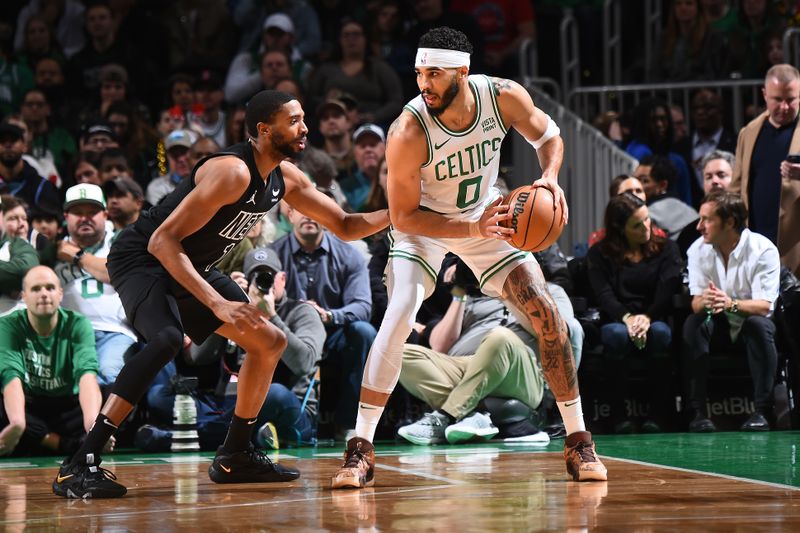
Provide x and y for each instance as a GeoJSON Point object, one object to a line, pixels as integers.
{"type": "Point", "coordinates": [47, 366]}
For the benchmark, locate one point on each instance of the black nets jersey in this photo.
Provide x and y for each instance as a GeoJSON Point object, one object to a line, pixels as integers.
{"type": "Point", "coordinates": [207, 246]}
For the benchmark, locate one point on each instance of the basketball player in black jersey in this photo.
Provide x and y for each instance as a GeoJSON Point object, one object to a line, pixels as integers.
{"type": "Point", "coordinates": [163, 269]}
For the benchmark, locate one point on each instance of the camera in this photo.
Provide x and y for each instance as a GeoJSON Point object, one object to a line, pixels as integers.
{"type": "Point", "coordinates": [263, 279]}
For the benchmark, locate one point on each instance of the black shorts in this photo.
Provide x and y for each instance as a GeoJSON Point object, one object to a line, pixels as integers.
{"type": "Point", "coordinates": [152, 299]}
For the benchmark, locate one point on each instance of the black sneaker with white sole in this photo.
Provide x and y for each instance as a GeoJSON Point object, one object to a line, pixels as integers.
{"type": "Point", "coordinates": [86, 479]}
{"type": "Point", "coordinates": [248, 466]}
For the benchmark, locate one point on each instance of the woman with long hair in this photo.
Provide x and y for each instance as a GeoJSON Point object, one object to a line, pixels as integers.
{"type": "Point", "coordinates": [690, 49]}
{"type": "Point", "coordinates": [634, 273]}
{"type": "Point", "coordinates": [371, 81]}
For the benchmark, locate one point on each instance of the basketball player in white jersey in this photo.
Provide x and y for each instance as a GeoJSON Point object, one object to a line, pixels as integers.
{"type": "Point", "coordinates": [443, 155]}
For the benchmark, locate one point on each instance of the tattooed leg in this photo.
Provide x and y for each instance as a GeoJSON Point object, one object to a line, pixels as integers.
{"type": "Point", "coordinates": [525, 289]}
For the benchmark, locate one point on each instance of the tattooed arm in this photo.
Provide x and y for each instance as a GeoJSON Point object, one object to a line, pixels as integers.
{"type": "Point", "coordinates": [519, 112]}
{"type": "Point", "coordinates": [526, 290]}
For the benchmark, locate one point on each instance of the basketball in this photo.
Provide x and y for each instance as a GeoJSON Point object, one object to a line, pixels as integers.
{"type": "Point", "coordinates": [537, 221]}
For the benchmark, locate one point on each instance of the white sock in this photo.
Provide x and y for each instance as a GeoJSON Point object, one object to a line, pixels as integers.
{"type": "Point", "coordinates": [572, 414]}
{"type": "Point", "coordinates": [367, 420]}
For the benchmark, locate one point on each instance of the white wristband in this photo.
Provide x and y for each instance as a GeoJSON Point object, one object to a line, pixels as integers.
{"type": "Point", "coordinates": [551, 131]}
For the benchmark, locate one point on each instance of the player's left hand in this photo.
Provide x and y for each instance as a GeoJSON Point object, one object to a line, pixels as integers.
{"type": "Point", "coordinates": [552, 185]}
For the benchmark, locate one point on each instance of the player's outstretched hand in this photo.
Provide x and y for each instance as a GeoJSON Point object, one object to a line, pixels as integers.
{"type": "Point", "coordinates": [243, 316]}
{"type": "Point", "coordinates": [489, 223]}
{"type": "Point", "coordinates": [552, 185]}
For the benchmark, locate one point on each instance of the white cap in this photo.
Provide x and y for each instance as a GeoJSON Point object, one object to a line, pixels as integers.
{"type": "Point", "coordinates": [84, 193]}
{"type": "Point", "coordinates": [280, 21]}
{"type": "Point", "coordinates": [369, 128]}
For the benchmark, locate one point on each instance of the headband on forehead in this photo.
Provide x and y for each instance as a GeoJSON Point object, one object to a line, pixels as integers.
{"type": "Point", "coordinates": [438, 57]}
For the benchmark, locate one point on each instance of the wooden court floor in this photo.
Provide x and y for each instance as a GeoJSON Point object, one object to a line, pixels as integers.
{"type": "Point", "coordinates": [675, 482]}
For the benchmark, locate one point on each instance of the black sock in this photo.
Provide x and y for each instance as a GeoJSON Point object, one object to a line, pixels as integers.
{"type": "Point", "coordinates": [239, 433]}
{"type": "Point", "coordinates": [98, 436]}
{"type": "Point", "coordinates": [450, 418]}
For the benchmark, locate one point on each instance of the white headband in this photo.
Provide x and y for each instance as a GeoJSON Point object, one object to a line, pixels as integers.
{"type": "Point", "coordinates": [438, 57]}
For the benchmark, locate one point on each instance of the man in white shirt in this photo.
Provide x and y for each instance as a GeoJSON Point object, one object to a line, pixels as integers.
{"type": "Point", "coordinates": [734, 276]}
{"type": "Point", "coordinates": [84, 277]}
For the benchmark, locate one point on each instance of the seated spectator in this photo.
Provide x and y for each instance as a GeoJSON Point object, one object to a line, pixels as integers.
{"type": "Point", "coordinates": [86, 169]}
{"type": "Point", "coordinates": [47, 224]}
{"type": "Point", "coordinates": [734, 276]}
{"type": "Point", "coordinates": [387, 39]}
{"type": "Point", "coordinates": [48, 141]}
{"type": "Point", "coordinates": [208, 114]}
{"type": "Point", "coordinates": [43, 164]}
{"type": "Point", "coordinates": [84, 277]}
{"type": "Point", "coordinates": [335, 127]}
{"type": "Point", "coordinates": [329, 274]}
{"type": "Point", "coordinates": [15, 224]}
{"type": "Point", "coordinates": [19, 178]}
{"type": "Point", "coordinates": [97, 136]}
{"type": "Point", "coordinates": [47, 366]}
{"type": "Point", "coordinates": [112, 164]}
{"type": "Point", "coordinates": [652, 134]}
{"type": "Point", "coordinates": [619, 185]}
{"type": "Point", "coordinates": [689, 49]}
{"type": "Point", "coordinates": [656, 173]}
{"type": "Point", "coordinates": [17, 256]}
{"type": "Point", "coordinates": [633, 275]}
{"type": "Point", "coordinates": [177, 145]}
{"type": "Point", "coordinates": [708, 134]}
{"type": "Point", "coordinates": [202, 147]}
{"type": "Point", "coordinates": [369, 147]}
{"type": "Point", "coordinates": [321, 169]}
{"type": "Point", "coordinates": [373, 83]}
{"type": "Point", "coordinates": [505, 26]}
{"type": "Point", "coordinates": [125, 201]}
{"type": "Point", "coordinates": [747, 39]}
{"type": "Point", "coordinates": [137, 139]}
{"type": "Point", "coordinates": [291, 405]}
{"type": "Point", "coordinates": [717, 171]}
{"type": "Point", "coordinates": [66, 19]}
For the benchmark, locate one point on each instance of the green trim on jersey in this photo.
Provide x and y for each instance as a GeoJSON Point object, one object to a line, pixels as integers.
{"type": "Point", "coordinates": [415, 258]}
{"type": "Point", "coordinates": [496, 105]}
{"type": "Point", "coordinates": [425, 129]}
{"type": "Point", "coordinates": [472, 126]}
{"type": "Point", "coordinates": [498, 266]}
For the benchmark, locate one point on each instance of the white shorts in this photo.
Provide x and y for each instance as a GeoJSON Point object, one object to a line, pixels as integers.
{"type": "Point", "coordinates": [490, 260]}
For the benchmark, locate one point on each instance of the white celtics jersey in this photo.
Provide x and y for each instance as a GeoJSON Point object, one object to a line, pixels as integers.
{"type": "Point", "coordinates": [98, 301]}
{"type": "Point", "coordinates": [459, 175]}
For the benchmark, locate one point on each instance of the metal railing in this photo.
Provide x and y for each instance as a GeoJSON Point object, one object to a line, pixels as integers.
{"type": "Point", "coordinates": [612, 42]}
{"type": "Point", "coordinates": [588, 102]}
{"type": "Point", "coordinates": [652, 32]}
{"type": "Point", "coordinates": [791, 46]}
{"type": "Point", "coordinates": [570, 52]}
{"type": "Point", "coordinates": [590, 161]}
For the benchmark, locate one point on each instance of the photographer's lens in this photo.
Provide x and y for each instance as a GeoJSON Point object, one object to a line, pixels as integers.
{"type": "Point", "coordinates": [263, 280]}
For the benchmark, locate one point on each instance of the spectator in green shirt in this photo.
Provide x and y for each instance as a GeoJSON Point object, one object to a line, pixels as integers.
{"type": "Point", "coordinates": [48, 369]}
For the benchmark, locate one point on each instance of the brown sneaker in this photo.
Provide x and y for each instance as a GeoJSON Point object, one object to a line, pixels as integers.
{"type": "Point", "coordinates": [583, 464]}
{"type": "Point", "coordinates": [358, 469]}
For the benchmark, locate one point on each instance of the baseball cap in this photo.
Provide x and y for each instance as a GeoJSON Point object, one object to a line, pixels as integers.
{"type": "Point", "coordinates": [280, 21]}
{"type": "Point", "coordinates": [124, 185]}
{"type": "Point", "coordinates": [11, 130]}
{"type": "Point", "coordinates": [178, 138]}
{"type": "Point", "coordinates": [84, 193]}
{"type": "Point", "coordinates": [261, 257]}
{"type": "Point", "coordinates": [99, 127]}
{"type": "Point", "coordinates": [369, 128]}
{"type": "Point", "coordinates": [331, 103]}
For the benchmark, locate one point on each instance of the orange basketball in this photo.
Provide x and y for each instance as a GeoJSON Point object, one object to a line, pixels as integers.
{"type": "Point", "coordinates": [537, 220]}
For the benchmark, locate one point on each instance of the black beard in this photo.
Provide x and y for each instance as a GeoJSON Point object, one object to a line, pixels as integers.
{"type": "Point", "coordinates": [447, 99]}
{"type": "Point", "coordinates": [10, 160]}
{"type": "Point", "coordinates": [282, 146]}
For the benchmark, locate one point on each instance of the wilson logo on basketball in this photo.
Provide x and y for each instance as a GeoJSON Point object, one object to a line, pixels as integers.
{"type": "Point", "coordinates": [519, 208]}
